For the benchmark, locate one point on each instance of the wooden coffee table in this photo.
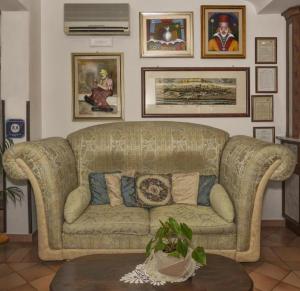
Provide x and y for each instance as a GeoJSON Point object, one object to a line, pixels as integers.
{"type": "Point", "coordinates": [103, 272]}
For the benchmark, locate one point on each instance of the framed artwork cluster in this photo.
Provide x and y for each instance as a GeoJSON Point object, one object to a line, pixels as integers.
{"type": "Point", "coordinates": [266, 82]}
{"type": "Point", "coordinates": [183, 91]}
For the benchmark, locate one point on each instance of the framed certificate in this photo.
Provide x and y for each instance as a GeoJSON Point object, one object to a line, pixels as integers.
{"type": "Point", "coordinates": [266, 134]}
{"type": "Point", "coordinates": [266, 79]}
{"type": "Point", "coordinates": [262, 108]}
{"type": "Point", "coordinates": [266, 50]}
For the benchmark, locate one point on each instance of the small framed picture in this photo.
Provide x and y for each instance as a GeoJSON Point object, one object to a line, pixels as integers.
{"type": "Point", "coordinates": [97, 86]}
{"type": "Point", "coordinates": [166, 34]}
{"type": "Point", "coordinates": [262, 108]}
{"type": "Point", "coordinates": [266, 50]}
{"type": "Point", "coordinates": [223, 31]}
{"type": "Point", "coordinates": [266, 134]}
{"type": "Point", "coordinates": [266, 79]}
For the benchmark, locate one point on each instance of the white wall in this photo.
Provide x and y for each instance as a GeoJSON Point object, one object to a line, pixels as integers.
{"type": "Point", "coordinates": [56, 70]}
{"type": "Point", "coordinates": [15, 92]}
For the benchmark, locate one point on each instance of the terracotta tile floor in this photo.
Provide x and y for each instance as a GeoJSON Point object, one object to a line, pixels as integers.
{"type": "Point", "coordinates": [278, 269]}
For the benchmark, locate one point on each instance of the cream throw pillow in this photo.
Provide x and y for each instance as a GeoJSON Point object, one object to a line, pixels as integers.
{"type": "Point", "coordinates": [185, 188]}
{"type": "Point", "coordinates": [77, 201]}
{"type": "Point", "coordinates": [113, 184]}
{"type": "Point", "coordinates": [221, 203]}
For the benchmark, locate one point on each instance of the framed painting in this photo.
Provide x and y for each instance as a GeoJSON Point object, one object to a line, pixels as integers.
{"type": "Point", "coordinates": [262, 108]}
{"type": "Point", "coordinates": [223, 31]}
{"type": "Point", "coordinates": [266, 78]}
{"type": "Point", "coordinates": [266, 134]}
{"type": "Point", "coordinates": [195, 92]}
{"type": "Point", "coordinates": [97, 86]}
{"type": "Point", "coordinates": [166, 34]}
{"type": "Point", "coordinates": [266, 50]}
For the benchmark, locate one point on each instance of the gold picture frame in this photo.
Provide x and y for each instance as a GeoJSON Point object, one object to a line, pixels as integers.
{"type": "Point", "coordinates": [166, 34]}
{"type": "Point", "coordinates": [262, 108]}
{"type": "Point", "coordinates": [97, 86]}
{"type": "Point", "coordinates": [231, 19]}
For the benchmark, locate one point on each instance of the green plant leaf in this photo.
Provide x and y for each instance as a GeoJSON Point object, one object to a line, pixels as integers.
{"type": "Point", "coordinates": [159, 246]}
{"type": "Point", "coordinates": [174, 225]}
{"type": "Point", "coordinates": [174, 254]}
{"type": "Point", "coordinates": [182, 247]}
{"type": "Point", "coordinates": [199, 256]}
{"type": "Point", "coordinates": [149, 247]}
{"type": "Point", "coordinates": [186, 231]}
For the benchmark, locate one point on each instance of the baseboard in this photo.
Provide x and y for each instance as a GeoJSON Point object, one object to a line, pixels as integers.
{"type": "Point", "coordinates": [22, 237]}
{"type": "Point", "coordinates": [273, 223]}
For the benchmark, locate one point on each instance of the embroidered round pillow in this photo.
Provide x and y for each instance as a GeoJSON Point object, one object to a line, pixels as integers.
{"type": "Point", "coordinates": [153, 190]}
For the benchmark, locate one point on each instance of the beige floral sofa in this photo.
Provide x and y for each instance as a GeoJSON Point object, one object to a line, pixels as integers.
{"type": "Point", "coordinates": [57, 166]}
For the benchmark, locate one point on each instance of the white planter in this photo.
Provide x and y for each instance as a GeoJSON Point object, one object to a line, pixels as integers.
{"type": "Point", "coordinates": [161, 266]}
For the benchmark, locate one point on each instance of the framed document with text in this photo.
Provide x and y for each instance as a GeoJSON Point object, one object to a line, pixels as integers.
{"type": "Point", "coordinates": [266, 50]}
{"type": "Point", "coordinates": [262, 108]}
{"type": "Point", "coordinates": [266, 79]}
{"type": "Point", "coordinates": [266, 134]}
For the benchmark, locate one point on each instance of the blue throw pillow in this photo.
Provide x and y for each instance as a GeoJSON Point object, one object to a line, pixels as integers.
{"type": "Point", "coordinates": [128, 191]}
{"type": "Point", "coordinates": [98, 188]}
{"type": "Point", "coordinates": [205, 185]}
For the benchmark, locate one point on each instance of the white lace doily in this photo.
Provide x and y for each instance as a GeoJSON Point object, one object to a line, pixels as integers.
{"type": "Point", "coordinates": [140, 276]}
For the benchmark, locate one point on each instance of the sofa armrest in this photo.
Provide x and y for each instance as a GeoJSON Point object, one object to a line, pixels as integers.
{"type": "Point", "coordinates": [246, 166]}
{"type": "Point", "coordinates": [50, 166]}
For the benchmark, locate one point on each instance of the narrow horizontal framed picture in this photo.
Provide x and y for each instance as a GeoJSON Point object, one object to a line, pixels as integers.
{"type": "Point", "coordinates": [223, 31]}
{"type": "Point", "coordinates": [167, 34]}
{"type": "Point", "coordinates": [195, 92]}
{"type": "Point", "coordinates": [262, 109]}
{"type": "Point", "coordinates": [266, 50]}
{"type": "Point", "coordinates": [266, 134]}
{"type": "Point", "coordinates": [97, 86]}
{"type": "Point", "coordinates": [266, 78]}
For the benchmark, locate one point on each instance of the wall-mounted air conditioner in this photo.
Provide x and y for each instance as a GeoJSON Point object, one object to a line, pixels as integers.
{"type": "Point", "coordinates": [96, 19]}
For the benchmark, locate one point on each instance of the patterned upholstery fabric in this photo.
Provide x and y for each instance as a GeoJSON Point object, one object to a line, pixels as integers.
{"type": "Point", "coordinates": [106, 219]}
{"type": "Point", "coordinates": [77, 201]}
{"type": "Point", "coordinates": [127, 241]}
{"type": "Point", "coordinates": [221, 203]}
{"type": "Point", "coordinates": [244, 162]}
{"type": "Point", "coordinates": [56, 167]}
{"type": "Point", "coordinates": [53, 164]}
{"type": "Point", "coordinates": [148, 147]}
{"type": "Point", "coordinates": [201, 219]}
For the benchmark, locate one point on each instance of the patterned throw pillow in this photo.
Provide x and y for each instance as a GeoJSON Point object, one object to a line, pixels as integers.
{"type": "Point", "coordinates": [153, 190]}
{"type": "Point", "coordinates": [205, 185]}
{"type": "Point", "coordinates": [128, 191]}
{"type": "Point", "coordinates": [98, 188]}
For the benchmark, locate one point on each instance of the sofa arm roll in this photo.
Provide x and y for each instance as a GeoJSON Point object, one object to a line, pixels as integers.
{"type": "Point", "coordinates": [244, 163]}
{"type": "Point", "coordinates": [50, 166]}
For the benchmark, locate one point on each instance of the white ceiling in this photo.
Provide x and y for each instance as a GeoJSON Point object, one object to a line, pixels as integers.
{"type": "Point", "coordinates": [273, 6]}
{"type": "Point", "coordinates": [261, 6]}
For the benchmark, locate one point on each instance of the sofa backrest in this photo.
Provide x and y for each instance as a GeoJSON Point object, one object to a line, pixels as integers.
{"type": "Point", "coordinates": [148, 147]}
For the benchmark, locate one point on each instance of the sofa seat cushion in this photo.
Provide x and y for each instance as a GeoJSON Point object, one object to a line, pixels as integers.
{"type": "Point", "coordinates": [201, 219]}
{"type": "Point", "coordinates": [106, 219]}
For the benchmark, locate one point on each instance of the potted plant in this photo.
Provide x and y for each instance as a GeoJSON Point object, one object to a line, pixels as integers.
{"type": "Point", "coordinates": [170, 253]}
{"type": "Point", "coordinates": [13, 193]}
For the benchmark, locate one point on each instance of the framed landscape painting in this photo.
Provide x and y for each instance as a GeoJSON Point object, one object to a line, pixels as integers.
{"type": "Point", "coordinates": [166, 34]}
{"type": "Point", "coordinates": [223, 31]}
{"type": "Point", "coordinates": [97, 86]}
{"type": "Point", "coordinates": [195, 92]}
